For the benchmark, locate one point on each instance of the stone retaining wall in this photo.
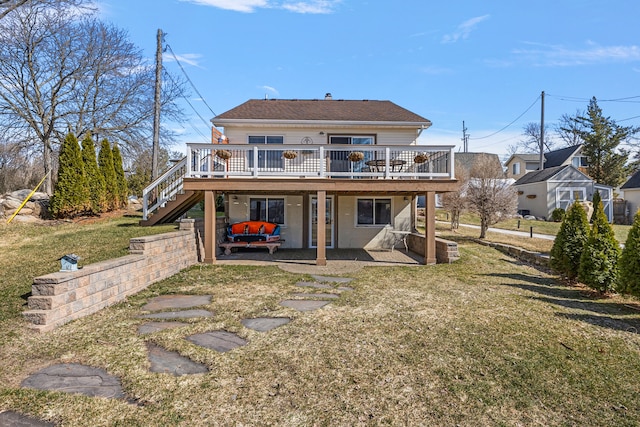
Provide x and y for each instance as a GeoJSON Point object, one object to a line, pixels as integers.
{"type": "Point", "coordinates": [60, 297]}
{"type": "Point", "coordinates": [530, 257]}
{"type": "Point", "coordinates": [446, 250]}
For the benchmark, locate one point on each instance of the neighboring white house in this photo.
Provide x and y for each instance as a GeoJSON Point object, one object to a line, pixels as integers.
{"type": "Point", "coordinates": [631, 190]}
{"type": "Point", "coordinates": [540, 192]}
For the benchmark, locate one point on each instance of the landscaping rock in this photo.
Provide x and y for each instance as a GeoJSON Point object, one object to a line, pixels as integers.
{"type": "Point", "coordinates": [176, 301]}
{"type": "Point", "coordinates": [331, 279]}
{"type": "Point", "coordinates": [323, 295]}
{"type": "Point", "coordinates": [184, 314]}
{"type": "Point", "coordinates": [151, 327]}
{"type": "Point", "coordinates": [315, 285]}
{"type": "Point", "coordinates": [14, 419]}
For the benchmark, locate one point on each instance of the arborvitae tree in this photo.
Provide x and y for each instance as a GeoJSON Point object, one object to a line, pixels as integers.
{"type": "Point", "coordinates": [595, 202]}
{"type": "Point", "coordinates": [629, 276]}
{"type": "Point", "coordinates": [599, 260]}
{"type": "Point", "coordinates": [70, 197]}
{"type": "Point", "coordinates": [569, 243]}
{"type": "Point", "coordinates": [105, 161]}
{"type": "Point", "coordinates": [95, 180]}
{"type": "Point", "coordinates": [120, 178]}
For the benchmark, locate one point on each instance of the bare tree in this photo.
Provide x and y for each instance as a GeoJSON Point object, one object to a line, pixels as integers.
{"type": "Point", "coordinates": [8, 6]}
{"type": "Point", "coordinates": [60, 73]}
{"type": "Point", "coordinates": [489, 194]}
{"type": "Point", "coordinates": [531, 141]}
{"type": "Point", "coordinates": [570, 130]}
{"type": "Point", "coordinates": [455, 202]}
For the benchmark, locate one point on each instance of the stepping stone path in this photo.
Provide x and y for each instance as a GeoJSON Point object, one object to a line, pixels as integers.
{"type": "Point", "coordinates": [265, 324]}
{"type": "Point", "coordinates": [221, 341]}
{"type": "Point", "coordinates": [14, 419]}
{"type": "Point", "coordinates": [76, 378]}
{"type": "Point", "coordinates": [170, 362]}
{"type": "Point", "coordinates": [96, 382]}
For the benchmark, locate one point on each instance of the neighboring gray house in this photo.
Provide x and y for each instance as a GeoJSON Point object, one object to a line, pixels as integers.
{"type": "Point", "coordinates": [631, 190]}
{"type": "Point", "coordinates": [540, 192]}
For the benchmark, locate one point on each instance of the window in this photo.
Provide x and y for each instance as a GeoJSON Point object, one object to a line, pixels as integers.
{"type": "Point", "coordinates": [579, 162]}
{"type": "Point", "coordinates": [516, 168]}
{"type": "Point", "coordinates": [271, 159]}
{"type": "Point", "coordinates": [374, 211]}
{"type": "Point", "coordinates": [339, 160]}
{"type": "Point", "coordinates": [266, 209]}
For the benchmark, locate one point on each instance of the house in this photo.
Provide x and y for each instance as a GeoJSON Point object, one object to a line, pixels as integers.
{"type": "Point", "coordinates": [331, 173]}
{"type": "Point", "coordinates": [631, 190]}
{"type": "Point", "coordinates": [542, 191]}
{"type": "Point", "coordinates": [466, 161]}
{"type": "Point", "coordinates": [519, 165]}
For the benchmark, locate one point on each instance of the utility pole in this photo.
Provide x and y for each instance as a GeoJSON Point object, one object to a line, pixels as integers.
{"type": "Point", "coordinates": [541, 166]}
{"type": "Point", "coordinates": [156, 108]}
{"type": "Point", "coordinates": [465, 138]}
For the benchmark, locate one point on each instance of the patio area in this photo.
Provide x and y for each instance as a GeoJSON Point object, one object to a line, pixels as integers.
{"type": "Point", "coordinates": [339, 261]}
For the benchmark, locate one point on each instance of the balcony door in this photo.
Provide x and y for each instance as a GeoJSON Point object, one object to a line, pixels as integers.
{"type": "Point", "coordinates": [339, 159]}
{"type": "Point", "coordinates": [313, 235]}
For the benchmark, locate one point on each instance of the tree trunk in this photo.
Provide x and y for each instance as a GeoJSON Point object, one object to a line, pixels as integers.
{"type": "Point", "coordinates": [48, 167]}
{"type": "Point", "coordinates": [483, 228]}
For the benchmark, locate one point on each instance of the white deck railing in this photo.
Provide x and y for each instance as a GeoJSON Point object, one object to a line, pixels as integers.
{"type": "Point", "coordinates": [300, 161]}
{"type": "Point", "coordinates": [322, 161]}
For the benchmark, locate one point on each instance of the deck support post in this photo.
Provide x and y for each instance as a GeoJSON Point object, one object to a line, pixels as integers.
{"type": "Point", "coordinates": [321, 257]}
{"type": "Point", "coordinates": [430, 227]}
{"type": "Point", "coordinates": [209, 227]}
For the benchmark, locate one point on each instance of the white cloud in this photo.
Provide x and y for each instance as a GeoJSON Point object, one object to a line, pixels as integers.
{"type": "Point", "coordinates": [185, 58]}
{"type": "Point", "coordinates": [560, 56]}
{"type": "Point", "coordinates": [248, 6]}
{"type": "Point", "coordinates": [464, 29]}
{"type": "Point", "coordinates": [270, 89]}
{"type": "Point", "coordinates": [434, 70]}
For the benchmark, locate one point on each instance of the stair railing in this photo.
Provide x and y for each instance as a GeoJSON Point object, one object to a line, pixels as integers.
{"type": "Point", "coordinates": [163, 189]}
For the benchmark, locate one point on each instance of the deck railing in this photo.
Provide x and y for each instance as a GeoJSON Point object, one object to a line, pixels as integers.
{"type": "Point", "coordinates": [323, 161]}
{"type": "Point", "coordinates": [300, 161]}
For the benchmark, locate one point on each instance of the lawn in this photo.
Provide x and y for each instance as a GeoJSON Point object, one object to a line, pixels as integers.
{"type": "Point", "coordinates": [483, 341]}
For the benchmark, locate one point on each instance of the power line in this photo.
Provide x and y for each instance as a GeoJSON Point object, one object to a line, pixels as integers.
{"type": "Point", "coordinates": [190, 104]}
{"type": "Point", "coordinates": [515, 120]}
{"type": "Point", "coordinates": [189, 79]}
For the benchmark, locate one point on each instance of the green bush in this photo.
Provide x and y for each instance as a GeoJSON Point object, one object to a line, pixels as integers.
{"type": "Point", "coordinates": [629, 275]}
{"type": "Point", "coordinates": [95, 180]}
{"type": "Point", "coordinates": [557, 215]}
{"type": "Point", "coordinates": [599, 260]}
{"type": "Point", "coordinates": [569, 242]}
{"type": "Point", "coordinates": [121, 180]}
{"type": "Point", "coordinates": [596, 200]}
{"type": "Point", "coordinates": [105, 162]}
{"type": "Point", "coordinates": [70, 197]}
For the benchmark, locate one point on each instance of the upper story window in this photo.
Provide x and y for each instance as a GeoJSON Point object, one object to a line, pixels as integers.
{"type": "Point", "coordinates": [267, 159]}
{"type": "Point", "coordinates": [579, 162]}
{"type": "Point", "coordinates": [516, 168]}
{"type": "Point", "coordinates": [359, 139]}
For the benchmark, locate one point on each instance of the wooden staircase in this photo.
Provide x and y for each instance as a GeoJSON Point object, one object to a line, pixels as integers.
{"type": "Point", "coordinates": [174, 208]}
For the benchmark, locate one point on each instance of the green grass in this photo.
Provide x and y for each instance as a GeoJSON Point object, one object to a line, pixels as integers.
{"type": "Point", "coordinates": [483, 341]}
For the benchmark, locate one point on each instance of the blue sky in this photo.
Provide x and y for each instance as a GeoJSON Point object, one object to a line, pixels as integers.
{"type": "Point", "coordinates": [481, 62]}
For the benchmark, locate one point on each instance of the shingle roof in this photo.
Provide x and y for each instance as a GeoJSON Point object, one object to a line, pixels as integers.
{"type": "Point", "coordinates": [540, 176]}
{"type": "Point", "coordinates": [558, 157]}
{"type": "Point", "coordinates": [321, 110]}
{"type": "Point", "coordinates": [633, 182]}
{"type": "Point", "coordinates": [467, 159]}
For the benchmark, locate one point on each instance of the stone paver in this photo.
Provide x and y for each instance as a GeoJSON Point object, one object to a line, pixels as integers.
{"type": "Point", "coordinates": [344, 288]}
{"type": "Point", "coordinates": [331, 279]}
{"type": "Point", "coordinates": [221, 341]}
{"type": "Point", "coordinates": [76, 378]}
{"type": "Point", "coordinates": [303, 305]}
{"type": "Point", "coordinates": [314, 285]}
{"type": "Point", "coordinates": [14, 419]}
{"type": "Point", "coordinates": [165, 302]}
{"type": "Point", "coordinates": [170, 362]}
{"type": "Point", "coordinates": [183, 314]}
{"type": "Point", "coordinates": [264, 324]}
{"type": "Point", "coordinates": [151, 327]}
{"type": "Point", "coordinates": [321, 295]}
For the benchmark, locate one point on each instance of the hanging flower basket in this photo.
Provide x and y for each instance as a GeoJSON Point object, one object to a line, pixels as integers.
{"type": "Point", "coordinates": [223, 154]}
{"type": "Point", "coordinates": [531, 196]}
{"type": "Point", "coordinates": [520, 193]}
{"type": "Point", "coordinates": [289, 154]}
{"type": "Point", "coordinates": [420, 158]}
{"type": "Point", "coordinates": [356, 156]}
